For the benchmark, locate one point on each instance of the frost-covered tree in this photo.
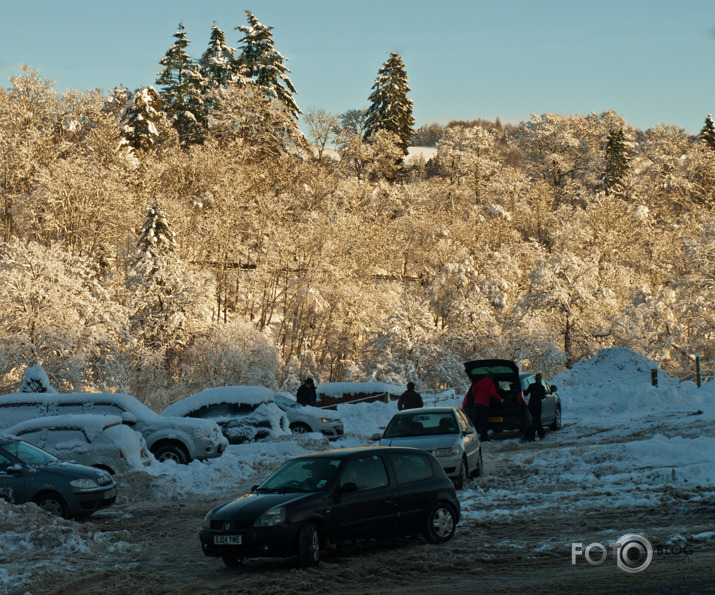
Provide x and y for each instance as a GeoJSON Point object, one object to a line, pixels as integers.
{"type": "Point", "coordinates": [260, 61]}
{"type": "Point", "coordinates": [616, 163]}
{"type": "Point", "coordinates": [165, 297]}
{"type": "Point", "coordinates": [139, 120]}
{"type": "Point", "coordinates": [218, 62]}
{"type": "Point", "coordinates": [390, 108]}
{"type": "Point", "coordinates": [353, 122]}
{"type": "Point", "coordinates": [707, 133]}
{"type": "Point", "coordinates": [323, 129]}
{"type": "Point", "coordinates": [55, 313]}
{"type": "Point", "coordinates": [182, 85]}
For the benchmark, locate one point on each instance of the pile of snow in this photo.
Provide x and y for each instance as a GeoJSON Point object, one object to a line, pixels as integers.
{"type": "Point", "coordinates": [246, 395]}
{"type": "Point", "coordinates": [36, 381]}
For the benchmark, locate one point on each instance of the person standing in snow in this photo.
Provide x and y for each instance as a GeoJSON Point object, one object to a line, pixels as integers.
{"type": "Point", "coordinates": [410, 399]}
{"type": "Point", "coordinates": [536, 393]}
{"type": "Point", "coordinates": [306, 393]}
{"type": "Point", "coordinates": [476, 403]}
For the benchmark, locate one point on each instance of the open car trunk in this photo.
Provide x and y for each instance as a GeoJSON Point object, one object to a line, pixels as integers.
{"type": "Point", "coordinates": [513, 414]}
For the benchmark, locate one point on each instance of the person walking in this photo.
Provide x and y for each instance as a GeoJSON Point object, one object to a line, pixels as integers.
{"type": "Point", "coordinates": [306, 393]}
{"type": "Point", "coordinates": [476, 403]}
{"type": "Point", "coordinates": [536, 393]}
{"type": "Point", "coordinates": [410, 399]}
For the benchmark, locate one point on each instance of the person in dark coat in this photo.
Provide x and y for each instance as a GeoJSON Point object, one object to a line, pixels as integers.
{"type": "Point", "coordinates": [537, 393]}
{"type": "Point", "coordinates": [409, 399]}
{"type": "Point", "coordinates": [306, 393]}
{"type": "Point", "coordinates": [476, 403]}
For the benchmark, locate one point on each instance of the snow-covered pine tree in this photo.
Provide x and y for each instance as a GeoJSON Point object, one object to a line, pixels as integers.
{"type": "Point", "coordinates": [616, 162]}
{"type": "Point", "coordinates": [139, 119]}
{"type": "Point", "coordinates": [260, 61]}
{"type": "Point", "coordinates": [390, 109]}
{"type": "Point", "coordinates": [707, 134]}
{"type": "Point", "coordinates": [182, 84]}
{"type": "Point", "coordinates": [218, 63]}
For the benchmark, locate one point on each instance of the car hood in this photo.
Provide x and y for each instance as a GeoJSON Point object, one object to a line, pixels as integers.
{"type": "Point", "coordinates": [72, 471]}
{"type": "Point", "coordinates": [250, 506]}
{"type": "Point", "coordinates": [423, 442]}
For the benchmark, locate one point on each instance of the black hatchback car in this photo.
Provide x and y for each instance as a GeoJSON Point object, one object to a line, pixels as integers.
{"type": "Point", "coordinates": [30, 474]}
{"type": "Point", "coordinates": [332, 496]}
{"type": "Point", "coordinates": [513, 413]}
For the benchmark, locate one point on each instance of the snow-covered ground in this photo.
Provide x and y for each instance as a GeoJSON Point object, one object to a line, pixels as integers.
{"type": "Point", "coordinates": [623, 442]}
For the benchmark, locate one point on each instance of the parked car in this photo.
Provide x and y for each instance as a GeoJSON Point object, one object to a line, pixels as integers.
{"type": "Point", "coordinates": [30, 474]}
{"type": "Point", "coordinates": [177, 439]}
{"type": "Point", "coordinates": [306, 418]}
{"type": "Point", "coordinates": [332, 496]}
{"type": "Point", "coordinates": [514, 414]}
{"type": "Point", "coordinates": [100, 441]}
{"type": "Point", "coordinates": [244, 413]}
{"type": "Point", "coordinates": [445, 432]}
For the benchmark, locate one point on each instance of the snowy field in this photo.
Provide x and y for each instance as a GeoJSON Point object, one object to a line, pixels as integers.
{"type": "Point", "coordinates": [624, 443]}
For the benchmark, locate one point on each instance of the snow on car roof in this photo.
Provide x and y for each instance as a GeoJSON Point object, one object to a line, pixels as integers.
{"type": "Point", "coordinates": [91, 424]}
{"type": "Point", "coordinates": [251, 395]}
{"type": "Point", "coordinates": [337, 389]}
{"type": "Point", "coordinates": [126, 401]}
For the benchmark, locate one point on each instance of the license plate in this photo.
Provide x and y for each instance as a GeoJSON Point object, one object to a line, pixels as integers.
{"type": "Point", "coordinates": [227, 539]}
{"type": "Point", "coordinates": [110, 493]}
{"type": "Point", "coordinates": [496, 419]}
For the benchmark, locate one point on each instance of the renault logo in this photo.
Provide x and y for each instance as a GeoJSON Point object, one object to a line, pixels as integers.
{"type": "Point", "coordinates": [227, 526]}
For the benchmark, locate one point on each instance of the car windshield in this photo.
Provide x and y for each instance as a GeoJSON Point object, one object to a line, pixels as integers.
{"type": "Point", "coordinates": [28, 453]}
{"type": "Point", "coordinates": [283, 402]}
{"type": "Point", "coordinates": [421, 424]}
{"type": "Point", "coordinates": [308, 474]}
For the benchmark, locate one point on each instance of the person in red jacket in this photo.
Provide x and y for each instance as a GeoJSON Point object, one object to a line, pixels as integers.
{"type": "Point", "coordinates": [476, 403]}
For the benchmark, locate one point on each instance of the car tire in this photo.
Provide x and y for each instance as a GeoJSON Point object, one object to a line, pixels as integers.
{"type": "Point", "coordinates": [440, 524]}
{"type": "Point", "coordinates": [171, 452]}
{"type": "Point", "coordinates": [308, 545]}
{"type": "Point", "coordinates": [461, 480]}
{"type": "Point", "coordinates": [300, 428]}
{"type": "Point", "coordinates": [52, 503]}
{"type": "Point", "coordinates": [556, 424]}
{"type": "Point", "coordinates": [232, 561]}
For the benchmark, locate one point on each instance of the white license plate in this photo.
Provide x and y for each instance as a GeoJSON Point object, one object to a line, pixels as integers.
{"type": "Point", "coordinates": [496, 419]}
{"type": "Point", "coordinates": [110, 493]}
{"type": "Point", "coordinates": [227, 540]}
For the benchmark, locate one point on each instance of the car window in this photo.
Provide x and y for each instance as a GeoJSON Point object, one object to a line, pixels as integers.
{"type": "Point", "coordinates": [218, 410]}
{"type": "Point", "coordinates": [70, 408]}
{"type": "Point", "coordinates": [463, 421]}
{"type": "Point", "coordinates": [36, 437]}
{"type": "Point", "coordinates": [28, 453]}
{"type": "Point", "coordinates": [4, 463]}
{"type": "Point", "coordinates": [421, 424]}
{"type": "Point", "coordinates": [12, 413]}
{"type": "Point", "coordinates": [368, 473]}
{"type": "Point", "coordinates": [411, 467]}
{"type": "Point", "coordinates": [108, 409]}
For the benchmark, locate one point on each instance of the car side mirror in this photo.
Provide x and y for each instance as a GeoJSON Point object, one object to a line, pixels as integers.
{"type": "Point", "coordinates": [253, 488]}
{"type": "Point", "coordinates": [376, 437]}
{"type": "Point", "coordinates": [14, 469]}
{"type": "Point", "coordinates": [552, 388]}
{"type": "Point", "coordinates": [347, 488]}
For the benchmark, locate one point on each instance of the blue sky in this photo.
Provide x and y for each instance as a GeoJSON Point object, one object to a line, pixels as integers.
{"type": "Point", "coordinates": [650, 60]}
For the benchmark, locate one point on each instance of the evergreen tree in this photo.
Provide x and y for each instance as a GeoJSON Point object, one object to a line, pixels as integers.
{"type": "Point", "coordinates": [260, 61]}
{"type": "Point", "coordinates": [617, 162]}
{"type": "Point", "coordinates": [139, 119]}
{"type": "Point", "coordinates": [218, 62]}
{"type": "Point", "coordinates": [707, 134]}
{"type": "Point", "coordinates": [182, 85]}
{"type": "Point", "coordinates": [390, 109]}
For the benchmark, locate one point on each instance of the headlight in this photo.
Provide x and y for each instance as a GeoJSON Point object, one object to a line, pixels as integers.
{"type": "Point", "coordinates": [323, 420]}
{"type": "Point", "coordinates": [207, 520]}
{"type": "Point", "coordinates": [271, 518]}
{"type": "Point", "coordinates": [445, 452]}
{"type": "Point", "coordinates": [84, 484]}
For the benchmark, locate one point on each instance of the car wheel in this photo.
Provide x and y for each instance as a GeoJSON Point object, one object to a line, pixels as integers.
{"type": "Point", "coordinates": [52, 503]}
{"type": "Point", "coordinates": [171, 452]}
{"type": "Point", "coordinates": [232, 561]}
{"type": "Point", "coordinates": [461, 480]}
{"type": "Point", "coordinates": [299, 428]}
{"type": "Point", "coordinates": [478, 470]}
{"type": "Point", "coordinates": [556, 424]}
{"type": "Point", "coordinates": [441, 523]}
{"type": "Point", "coordinates": [308, 545]}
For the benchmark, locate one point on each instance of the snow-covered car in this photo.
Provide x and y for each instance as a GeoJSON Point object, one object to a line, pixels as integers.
{"type": "Point", "coordinates": [306, 418]}
{"type": "Point", "coordinates": [244, 413]}
{"type": "Point", "coordinates": [30, 474]}
{"type": "Point", "coordinates": [101, 441]}
{"type": "Point", "coordinates": [445, 432]}
{"type": "Point", "coordinates": [177, 438]}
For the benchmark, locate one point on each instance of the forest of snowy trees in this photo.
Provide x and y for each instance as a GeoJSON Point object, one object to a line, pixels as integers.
{"type": "Point", "coordinates": [188, 234]}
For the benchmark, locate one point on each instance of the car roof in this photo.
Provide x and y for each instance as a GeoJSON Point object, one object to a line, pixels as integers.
{"type": "Point", "coordinates": [83, 421]}
{"type": "Point", "coordinates": [250, 395]}
{"type": "Point", "coordinates": [347, 453]}
{"type": "Point", "coordinates": [443, 409]}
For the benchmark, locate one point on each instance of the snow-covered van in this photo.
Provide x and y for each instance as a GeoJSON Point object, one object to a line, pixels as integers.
{"type": "Point", "coordinates": [174, 438]}
{"type": "Point", "coordinates": [245, 413]}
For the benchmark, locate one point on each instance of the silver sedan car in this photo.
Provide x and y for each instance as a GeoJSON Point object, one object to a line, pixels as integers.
{"type": "Point", "coordinates": [445, 432]}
